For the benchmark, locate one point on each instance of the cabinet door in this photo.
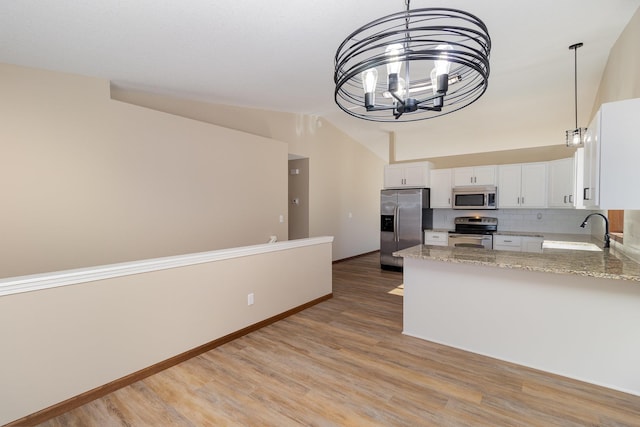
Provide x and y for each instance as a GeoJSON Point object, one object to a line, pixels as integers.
{"type": "Point", "coordinates": [591, 165]}
{"type": "Point", "coordinates": [484, 175]}
{"type": "Point", "coordinates": [393, 176]}
{"type": "Point", "coordinates": [561, 183]}
{"type": "Point", "coordinates": [416, 176]}
{"type": "Point", "coordinates": [618, 155]}
{"type": "Point", "coordinates": [533, 187]}
{"type": "Point", "coordinates": [436, 238]}
{"type": "Point", "coordinates": [441, 188]}
{"type": "Point", "coordinates": [462, 176]}
{"type": "Point", "coordinates": [578, 165]}
{"type": "Point", "coordinates": [532, 244]}
{"type": "Point", "coordinates": [509, 186]}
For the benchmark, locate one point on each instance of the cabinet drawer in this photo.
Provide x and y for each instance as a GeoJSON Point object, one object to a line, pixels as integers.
{"type": "Point", "coordinates": [500, 240]}
{"type": "Point", "coordinates": [438, 238]}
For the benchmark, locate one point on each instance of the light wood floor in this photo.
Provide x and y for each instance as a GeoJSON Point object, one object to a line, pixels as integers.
{"type": "Point", "coordinates": [344, 362]}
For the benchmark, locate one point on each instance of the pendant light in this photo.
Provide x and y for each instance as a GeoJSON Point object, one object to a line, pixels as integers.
{"type": "Point", "coordinates": [413, 65]}
{"type": "Point", "coordinates": [575, 137]}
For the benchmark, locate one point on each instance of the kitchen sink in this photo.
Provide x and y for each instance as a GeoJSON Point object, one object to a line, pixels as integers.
{"type": "Point", "coordinates": [574, 246]}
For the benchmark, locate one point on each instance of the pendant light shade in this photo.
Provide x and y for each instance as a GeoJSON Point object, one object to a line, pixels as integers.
{"type": "Point", "coordinates": [429, 61]}
{"type": "Point", "coordinates": [575, 137]}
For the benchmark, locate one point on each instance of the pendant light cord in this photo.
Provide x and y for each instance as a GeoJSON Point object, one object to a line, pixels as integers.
{"type": "Point", "coordinates": [575, 73]}
{"type": "Point", "coordinates": [575, 87]}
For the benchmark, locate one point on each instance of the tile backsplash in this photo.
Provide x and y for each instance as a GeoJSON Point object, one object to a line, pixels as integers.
{"type": "Point", "coordinates": [532, 220]}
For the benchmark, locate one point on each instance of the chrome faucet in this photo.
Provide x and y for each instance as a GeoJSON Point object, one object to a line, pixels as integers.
{"type": "Point", "coordinates": [606, 227]}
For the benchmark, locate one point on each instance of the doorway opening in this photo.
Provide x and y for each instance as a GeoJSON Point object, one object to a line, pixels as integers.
{"type": "Point", "coordinates": [616, 225]}
{"type": "Point", "coordinates": [298, 198]}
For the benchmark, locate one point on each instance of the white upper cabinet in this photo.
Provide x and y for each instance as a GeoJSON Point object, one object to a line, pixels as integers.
{"type": "Point", "coordinates": [441, 188]}
{"type": "Point", "coordinates": [509, 186]}
{"type": "Point", "coordinates": [611, 157]}
{"type": "Point", "coordinates": [477, 175]}
{"type": "Point", "coordinates": [522, 185]}
{"type": "Point", "coordinates": [562, 178]}
{"type": "Point", "coordinates": [407, 175]}
{"type": "Point", "coordinates": [591, 165]}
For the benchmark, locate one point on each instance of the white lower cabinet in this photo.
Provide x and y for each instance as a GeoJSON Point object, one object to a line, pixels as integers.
{"type": "Point", "coordinates": [507, 243]}
{"type": "Point", "coordinates": [517, 243]}
{"type": "Point", "coordinates": [436, 238]}
{"type": "Point", "coordinates": [532, 244]}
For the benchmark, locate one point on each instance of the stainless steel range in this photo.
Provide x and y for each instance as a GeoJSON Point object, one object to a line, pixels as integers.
{"type": "Point", "coordinates": [473, 232]}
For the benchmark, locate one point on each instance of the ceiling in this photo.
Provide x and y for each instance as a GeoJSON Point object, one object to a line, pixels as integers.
{"type": "Point", "coordinates": [280, 56]}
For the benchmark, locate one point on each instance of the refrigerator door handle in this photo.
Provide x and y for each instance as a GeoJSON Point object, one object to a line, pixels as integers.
{"type": "Point", "coordinates": [396, 211]}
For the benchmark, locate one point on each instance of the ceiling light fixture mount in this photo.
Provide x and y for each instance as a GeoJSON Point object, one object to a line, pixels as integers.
{"type": "Point", "coordinates": [575, 137]}
{"type": "Point", "coordinates": [436, 62]}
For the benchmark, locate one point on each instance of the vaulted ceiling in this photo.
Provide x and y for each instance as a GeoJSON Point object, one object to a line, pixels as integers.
{"type": "Point", "coordinates": [280, 56]}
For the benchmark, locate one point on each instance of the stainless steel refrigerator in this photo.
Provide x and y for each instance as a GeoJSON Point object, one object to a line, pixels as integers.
{"type": "Point", "coordinates": [404, 215]}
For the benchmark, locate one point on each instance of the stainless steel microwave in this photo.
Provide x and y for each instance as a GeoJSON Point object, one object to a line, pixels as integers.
{"type": "Point", "coordinates": [475, 197]}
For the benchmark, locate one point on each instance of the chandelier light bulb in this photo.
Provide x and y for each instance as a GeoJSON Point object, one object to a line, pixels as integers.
{"type": "Point", "coordinates": [369, 81]}
{"type": "Point", "coordinates": [393, 52]}
{"type": "Point", "coordinates": [443, 65]}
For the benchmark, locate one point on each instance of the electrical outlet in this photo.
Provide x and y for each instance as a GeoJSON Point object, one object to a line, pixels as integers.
{"type": "Point", "coordinates": [250, 299]}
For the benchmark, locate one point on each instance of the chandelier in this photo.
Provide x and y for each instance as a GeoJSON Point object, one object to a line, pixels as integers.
{"type": "Point", "coordinates": [413, 65]}
{"type": "Point", "coordinates": [575, 137]}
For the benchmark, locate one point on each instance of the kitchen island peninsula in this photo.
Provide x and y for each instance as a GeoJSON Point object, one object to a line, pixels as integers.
{"type": "Point", "coordinates": [572, 313]}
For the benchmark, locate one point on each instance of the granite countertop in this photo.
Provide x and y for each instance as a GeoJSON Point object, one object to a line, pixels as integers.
{"type": "Point", "coordinates": [608, 264]}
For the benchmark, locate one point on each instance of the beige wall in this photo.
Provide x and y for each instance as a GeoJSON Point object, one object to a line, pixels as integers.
{"type": "Point", "coordinates": [345, 183]}
{"type": "Point", "coordinates": [86, 180]}
{"type": "Point", "coordinates": [621, 80]}
{"type": "Point", "coordinates": [60, 342]}
{"type": "Point", "coordinates": [344, 177]}
{"type": "Point", "coordinates": [621, 77]}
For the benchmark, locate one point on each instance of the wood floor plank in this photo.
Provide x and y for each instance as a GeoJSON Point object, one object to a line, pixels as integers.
{"type": "Point", "coordinates": [345, 362]}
